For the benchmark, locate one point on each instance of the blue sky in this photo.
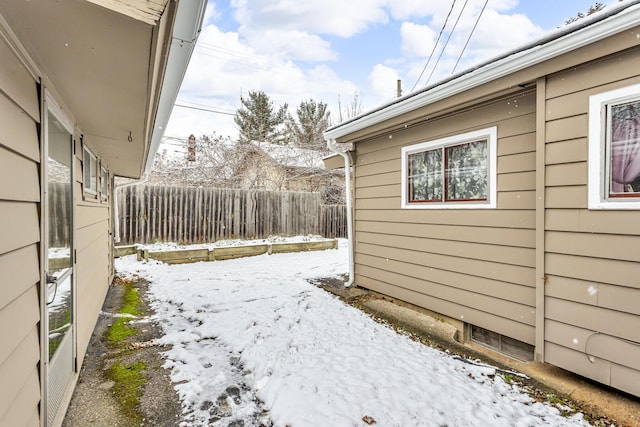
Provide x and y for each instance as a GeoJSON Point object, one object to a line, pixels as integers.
{"type": "Point", "coordinates": [331, 49]}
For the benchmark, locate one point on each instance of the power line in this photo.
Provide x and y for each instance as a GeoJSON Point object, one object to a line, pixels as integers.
{"type": "Point", "coordinates": [434, 46]}
{"type": "Point", "coordinates": [447, 42]}
{"type": "Point", "coordinates": [210, 110]}
{"type": "Point", "coordinates": [470, 34]}
{"type": "Point", "coordinates": [197, 104]}
{"type": "Point", "coordinates": [232, 52]}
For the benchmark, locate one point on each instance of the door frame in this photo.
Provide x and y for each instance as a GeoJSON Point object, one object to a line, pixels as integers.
{"type": "Point", "coordinates": [49, 104]}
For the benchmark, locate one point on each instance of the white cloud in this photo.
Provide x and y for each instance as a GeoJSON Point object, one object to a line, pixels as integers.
{"type": "Point", "coordinates": [291, 44]}
{"type": "Point", "coordinates": [417, 40]}
{"type": "Point", "coordinates": [496, 33]}
{"type": "Point", "coordinates": [225, 66]}
{"type": "Point", "coordinates": [334, 17]}
{"type": "Point", "coordinates": [290, 49]}
{"type": "Point", "coordinates": [383, 81]}
{"type": "Point", "coordinates": [211, 13]}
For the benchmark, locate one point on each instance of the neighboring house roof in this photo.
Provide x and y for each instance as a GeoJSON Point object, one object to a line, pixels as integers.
{"type": "Point", "coordinates": [115, 66]}
{"type": "Point", "coordinates": [612, 20]}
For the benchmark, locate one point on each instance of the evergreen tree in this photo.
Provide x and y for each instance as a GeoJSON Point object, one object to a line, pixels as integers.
{"type": "Point", "coordinates": [313, 120]}
{"type": "Point", "coordinates": [258, 120]}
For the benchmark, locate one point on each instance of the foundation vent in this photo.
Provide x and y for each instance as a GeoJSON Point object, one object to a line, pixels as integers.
{"type": "Point", "coordinates": [503, 344]}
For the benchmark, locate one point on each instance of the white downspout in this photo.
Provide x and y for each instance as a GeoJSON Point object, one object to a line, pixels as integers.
{"type": "Point", "coordinates": [332, 145]}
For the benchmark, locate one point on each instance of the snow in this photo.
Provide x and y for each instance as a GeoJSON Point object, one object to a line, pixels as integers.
{"type": "Point", "coordinates": [253, 340]}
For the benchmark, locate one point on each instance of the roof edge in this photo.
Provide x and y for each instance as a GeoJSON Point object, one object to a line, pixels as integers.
{"type": "Point", "coordinates": [186, 29]}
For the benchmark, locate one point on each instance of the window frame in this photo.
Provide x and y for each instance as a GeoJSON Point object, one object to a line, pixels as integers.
{"type": "Point", "coordinates": [490, 134]}
{"type": "Point", "coordinates": [93, 164]}
{"type": "Point", "coordinates": [104, 182]}
{"type": "Point", "coordinates": [598, 141]}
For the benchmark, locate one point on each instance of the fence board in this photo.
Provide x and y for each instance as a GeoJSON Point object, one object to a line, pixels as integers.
{"type": "Point", "coordinates": [198, 215]}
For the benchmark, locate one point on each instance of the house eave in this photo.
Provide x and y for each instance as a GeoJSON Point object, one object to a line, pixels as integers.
{"type": "Point", "coordinates": [115, 71]}
{"type": "Point", "coordinates": [616, 20]}
{"type": "Point", "coordinates": [186, 29]}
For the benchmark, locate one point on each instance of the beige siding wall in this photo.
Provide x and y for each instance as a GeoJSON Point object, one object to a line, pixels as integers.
{"type": "Point", "coordinates": [93, 263]}
{"type": "Point", "coordinates": [592, 304]}
{"type": "Point", "coordinates": [474, 265]}
{"type": "Point", "coordinates": [19, 243]}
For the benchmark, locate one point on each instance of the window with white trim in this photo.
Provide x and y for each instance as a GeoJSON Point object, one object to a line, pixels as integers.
{"type": "Point", "coordinates": [104, 183]}
{"type": "Point", "coordinates": [89, 172]}
{"type": "Point", "coordinates": [457, 172]}
{"type": "Point", "coordinates": [614, 149]}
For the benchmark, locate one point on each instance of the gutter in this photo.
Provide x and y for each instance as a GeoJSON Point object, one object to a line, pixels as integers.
{"type": "Point", "coordinates": [332, 145]}
{"type": "Point", "coordinates": [582, 33]}
{"type": "Point", "coordinates": [186, 29]}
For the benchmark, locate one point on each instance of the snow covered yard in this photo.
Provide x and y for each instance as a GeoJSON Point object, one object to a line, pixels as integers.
{"type": "Point", "coordinates": [255, 344]}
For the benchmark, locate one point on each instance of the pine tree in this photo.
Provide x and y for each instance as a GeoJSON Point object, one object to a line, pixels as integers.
{"type": "Point", "coordinates": [312, 120]}
{"type": "Point", "coordinates": [258, 120]}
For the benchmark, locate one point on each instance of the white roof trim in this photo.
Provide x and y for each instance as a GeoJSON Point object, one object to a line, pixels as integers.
{"type": "Point", "coordinates": [186, 29]}
{"type": "Point", "coordinates": [599, 30]}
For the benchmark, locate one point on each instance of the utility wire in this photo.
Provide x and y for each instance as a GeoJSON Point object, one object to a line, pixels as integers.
{"type": "Point", "coordinates": [210, 110]}
{"type": "Point", "coordinates": [447, 42]}
{"type": "Point", "coordinates": [197, 104]}
{"type": "Point", "coordinates": [469, 38]}
{"type": "Point", "coordinates": [434, 46]}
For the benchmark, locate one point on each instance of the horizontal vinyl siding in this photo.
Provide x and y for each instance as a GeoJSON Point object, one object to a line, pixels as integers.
{"type": "Point", "coordinates": [92, 257]}
{"type": "Point", "coordinates": [472, 265]}
{"type": "Point", "coordinates": [19, 243]}
{"type": "Point", "coordinates": [592, 298]}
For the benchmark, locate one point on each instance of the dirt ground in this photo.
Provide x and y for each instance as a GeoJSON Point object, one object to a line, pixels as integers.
{"type": "Point", "coordinates": [94, 403]}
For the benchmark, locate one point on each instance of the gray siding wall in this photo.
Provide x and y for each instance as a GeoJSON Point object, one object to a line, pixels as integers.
{"type": "Point", "coordinates": [19, 243]}
{"type": "Point", "coordinates": [93, 252]}
{"type": "Point", "coordinates": [592, 258]}
{"type": "Point", "coordinates": [477, 266]}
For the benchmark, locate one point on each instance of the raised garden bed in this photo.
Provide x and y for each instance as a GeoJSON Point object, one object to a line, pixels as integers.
{"type": "Point", "coordinates": [183, 256]}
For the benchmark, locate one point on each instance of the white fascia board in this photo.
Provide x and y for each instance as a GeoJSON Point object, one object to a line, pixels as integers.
{"type": "Point", "coordinates": [186, 29]}
{"type": "Point", "coordinates": [518, 61]}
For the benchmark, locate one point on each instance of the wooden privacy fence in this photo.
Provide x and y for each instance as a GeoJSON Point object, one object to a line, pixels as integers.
{"type": "Point", "coordinates": [188, 215]}
{"type": "Point", "coordinates": [59, 211]}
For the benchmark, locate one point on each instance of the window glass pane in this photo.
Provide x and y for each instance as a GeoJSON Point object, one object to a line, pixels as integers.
{"type": "Point", "coordinates": [624, 176]}
{"type": "Point", "coordinates": [94, 174]}
{"type": "Point", "coordinates": [425, 176]}
{"type": "Point", "coordinates": [467, 171]}
{"type": "Point", "coordinates": [103, 182]}
{"type": "Point", "coordinates": [86, 169]}
{"type": "Point", "coordinates": [89, 171]}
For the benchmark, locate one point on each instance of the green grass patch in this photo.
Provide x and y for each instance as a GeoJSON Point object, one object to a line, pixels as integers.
{"type": "Point", "coordinates": [128, 388]}
{"type": "Point", "coordinates": [119, 330]}
{"type": "Point", "coordinates": [508, 378]}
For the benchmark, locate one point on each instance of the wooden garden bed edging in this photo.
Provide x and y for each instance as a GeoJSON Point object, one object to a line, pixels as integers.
{"type": "Point", "coordinates": [183, 256]}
